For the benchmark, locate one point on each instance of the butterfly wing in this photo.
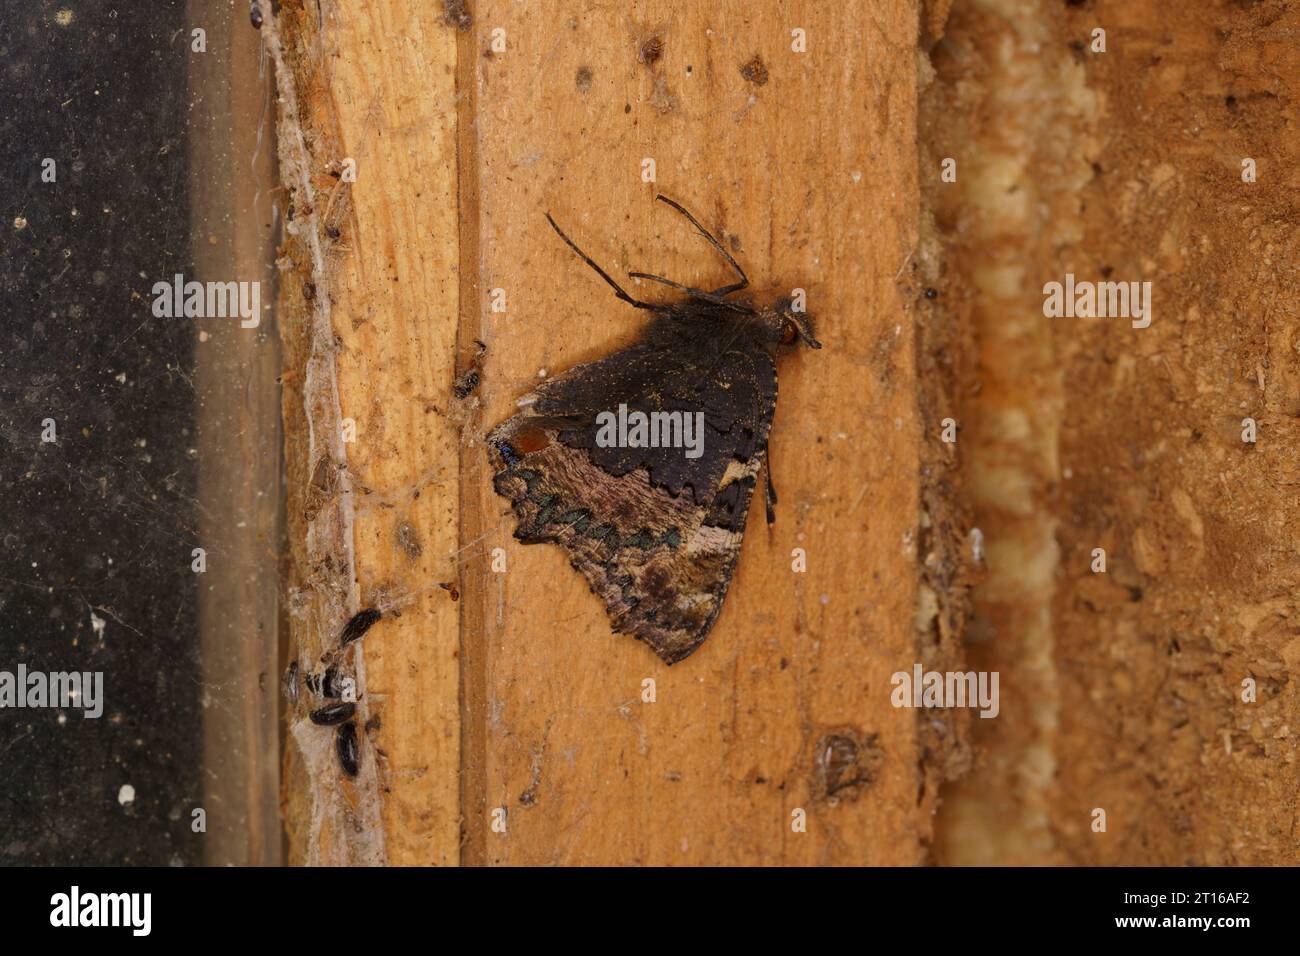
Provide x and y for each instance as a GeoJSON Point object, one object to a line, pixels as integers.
{"type": "Point", "coordinates": [655, 533]}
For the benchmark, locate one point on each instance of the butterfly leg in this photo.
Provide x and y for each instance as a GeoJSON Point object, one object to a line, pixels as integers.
{"type": "Point", "coordinates": [726, 289]}
{"type": "Point", "coordinates": [618, 289]}
{"type": "Point", "coordinates": [771, 488]}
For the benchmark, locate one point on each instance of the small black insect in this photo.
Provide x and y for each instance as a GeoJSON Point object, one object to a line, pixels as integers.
{"type": "Point", "coordinates": [255, 14]}
{"type": "Point", "coordinates": [356, 628]}
{"type": "Point", "coordinates": [326, 684]}
{"type": "Point", "coordinates": [347, 748]}
{"type": "Point", "coordinates": [331, 685]}
{"type": "Point", "coordinates": [332, 714]}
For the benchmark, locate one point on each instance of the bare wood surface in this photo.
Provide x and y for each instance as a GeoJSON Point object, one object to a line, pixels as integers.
{"type": "Point", "coordinates": [805, 162]}
{"type": "Point", "coordinates": [398, 300]}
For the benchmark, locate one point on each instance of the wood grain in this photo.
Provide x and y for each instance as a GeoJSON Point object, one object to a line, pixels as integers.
{"type": "Point", "coordinates": [811, 177]}
{"type": "Point", "coordinates": [377, 86]}
{"type": "Point", "coordinates": [519, 697]}
{"type": "Point", "coordinates": [398, 298]}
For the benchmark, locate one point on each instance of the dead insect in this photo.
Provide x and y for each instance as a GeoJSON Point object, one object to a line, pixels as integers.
{"type": "Point", "coordinates": [291, 683]}
{"type": "Point", "coordinates": [332, 714]}
{"type": "Point", "coordinates": [347, 748]}
{"type": "Point", "coordinates": [356, 628]}
{"type": "Point", "coordinates": [325, 684]}
{"type": "Point", "coordinates": [469, 381]}
{"type": "Point", "coordinates": [466, 384]}
{"type": "Point", "coordinates": [255, 14]}
{"type": "Point", "coordinates": [329, 685]}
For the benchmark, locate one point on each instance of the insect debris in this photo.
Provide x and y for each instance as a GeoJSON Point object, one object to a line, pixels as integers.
{"type": "Point", "coordinates": [347, 748]}
{"type": "Point", "coordinates": [469, 380]}
{"type": "Point", "coordinates": [332, 714]}
{"type": "Point", "coordinates": [356, 628]}
{"type": "Point", "coordinates": [326, 683]}
{"type": "Point", "coordinates": [291, 683]}
{"type": "Point", "coordinates": [331, 684]}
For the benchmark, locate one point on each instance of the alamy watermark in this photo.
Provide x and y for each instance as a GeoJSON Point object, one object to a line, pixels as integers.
{"type": "Point", "coordinates": [637, 429]}
{"type": "Point", "coordinates": [75, 908]}
{"type": "Point", "coordinates": [208, 300]}
{"type": "Point", "coordinates": [937, 689]}
{"type": "Point", "coordinates": [81, 690]}
{"type": "Point", "coordinates": [1098, 300]}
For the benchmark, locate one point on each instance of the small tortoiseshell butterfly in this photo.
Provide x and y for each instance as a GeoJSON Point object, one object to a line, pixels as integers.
{"type": "Point", "coordinates": [641, 465]}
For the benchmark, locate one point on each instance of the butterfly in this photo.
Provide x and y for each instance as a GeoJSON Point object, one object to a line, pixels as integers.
{"type": "Point", "coordinates": [641, 465]}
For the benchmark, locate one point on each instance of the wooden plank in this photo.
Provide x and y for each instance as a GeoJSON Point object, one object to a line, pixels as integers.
{"type": "Point", "coordinates": [376, 309]}
{"type": "Point", "coordinates": [805, 161]}
{"type": "Point", "coordinates": [807, 164]}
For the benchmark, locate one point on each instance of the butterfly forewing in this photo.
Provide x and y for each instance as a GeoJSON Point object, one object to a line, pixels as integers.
{"type": "Point", "coordinates": [655, 530]}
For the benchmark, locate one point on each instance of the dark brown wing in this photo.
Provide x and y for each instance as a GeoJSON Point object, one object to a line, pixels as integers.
{"type": "Point", "coordinates": [655, 533]}
{"type": "Point", "coordinates": [698, 363]}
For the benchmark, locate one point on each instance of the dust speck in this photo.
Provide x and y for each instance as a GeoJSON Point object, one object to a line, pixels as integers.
{"type": "Point", "coordinates": [755, 71]}
{"type": "Point", "coordinates": [845, 762]}
{"type": "Point", "coordinates": [63, 18]}
{"type": "Point", "coordinates": [454, 14]}
{"type": "Point", "coordinates": [126, 795]}
{"type": "Point", "coordinates": [662, 98]}
{"type": "Point", "coordinates": [408, 539]}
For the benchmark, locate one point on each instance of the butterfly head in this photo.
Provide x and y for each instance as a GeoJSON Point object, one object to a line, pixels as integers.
{"type": "Point", "coordinates": [790, 326]}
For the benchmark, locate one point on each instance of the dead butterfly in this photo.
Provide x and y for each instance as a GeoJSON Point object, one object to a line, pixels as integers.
{"type": "Point", "coordinates": [641, 465]}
